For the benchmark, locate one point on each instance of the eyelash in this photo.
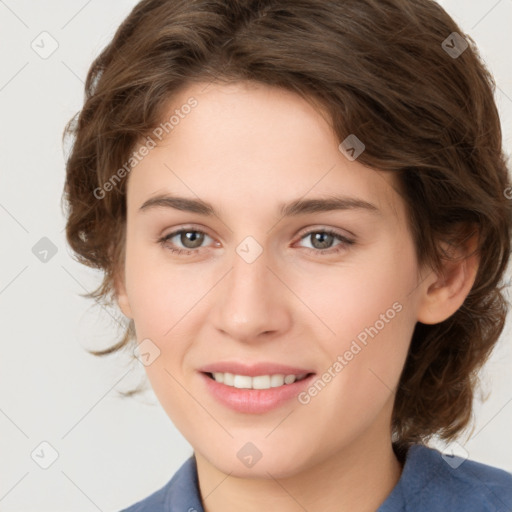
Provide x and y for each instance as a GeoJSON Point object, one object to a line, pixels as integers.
{"type": "Point", "coordinates": [345, 242]}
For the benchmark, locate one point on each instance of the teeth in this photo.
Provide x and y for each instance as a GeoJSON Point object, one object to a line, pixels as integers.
{"type": "Point", "coordinates": [289, 379]}
{"type": "Point", "coordinates": [258, 382]}
{"type": "Point", "coordinates": [261, 382]}
{"type": "Point", "coordinates": [242, 381]}
{"type": "Point", "coordinates": [276, 380]}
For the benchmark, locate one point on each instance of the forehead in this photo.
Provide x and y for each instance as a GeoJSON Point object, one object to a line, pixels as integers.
{"type": "Point", "coordinates": [250, 144]}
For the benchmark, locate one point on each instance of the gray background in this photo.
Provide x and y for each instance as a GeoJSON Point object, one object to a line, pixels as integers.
{"type": "Point", "coordinates": [113, 451]}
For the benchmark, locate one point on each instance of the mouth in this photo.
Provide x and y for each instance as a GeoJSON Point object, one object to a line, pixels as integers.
{"type": "Point", "coordinates": [256, 382]}
{"type": "Point", "coordinates": [254, 389]}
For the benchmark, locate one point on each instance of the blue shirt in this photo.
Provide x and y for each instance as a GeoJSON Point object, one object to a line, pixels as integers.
{"type": "Point", "coordinates": [430, 482]}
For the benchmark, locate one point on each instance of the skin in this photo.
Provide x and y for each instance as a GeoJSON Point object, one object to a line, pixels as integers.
{"type": "Point", "coordinates": [246, 148]}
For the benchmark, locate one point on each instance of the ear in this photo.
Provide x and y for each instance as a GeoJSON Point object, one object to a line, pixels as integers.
{"type": "Point", "coordinates": [120, 288]}
{"type": "Point", "coordinates": [117, 256]}
{"type": "Point", "coordinates": [444, 293]}
{"type": "Point", "coordinates": [122, 297]}
{"type": "Point", "coordinates": [120, 293]}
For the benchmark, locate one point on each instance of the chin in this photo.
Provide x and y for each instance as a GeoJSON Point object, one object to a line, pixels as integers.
{"type": "Point", "coordinates": [249, 461]}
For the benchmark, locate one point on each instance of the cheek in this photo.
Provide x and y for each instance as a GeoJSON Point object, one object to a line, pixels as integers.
{"type": "Point", "coordinates": [369, 310]}
{"type": "Point", "coordinates": [168, 302]}
{"type": "Point", "coordinates": [160, 292]}
{"type": "Point", "coordinates": [162, 298]}
{"type": "Point", "coordinates": [373, 289]}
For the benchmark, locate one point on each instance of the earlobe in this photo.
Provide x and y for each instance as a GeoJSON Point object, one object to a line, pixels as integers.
{"type": "Point", "coordinates": [444, 295]}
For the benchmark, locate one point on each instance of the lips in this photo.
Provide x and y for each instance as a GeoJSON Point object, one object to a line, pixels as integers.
{"type": "Point", "coordinates": [254, 369]}
{"type": "Point", "coordinates": [255, 388]}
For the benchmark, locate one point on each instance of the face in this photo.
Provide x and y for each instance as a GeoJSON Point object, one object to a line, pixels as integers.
{"type": "Point", "coordinates": [286, 272]}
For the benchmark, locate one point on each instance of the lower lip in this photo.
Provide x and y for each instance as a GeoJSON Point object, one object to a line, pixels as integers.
{"type": "Point", "coordinates": [254, 401]}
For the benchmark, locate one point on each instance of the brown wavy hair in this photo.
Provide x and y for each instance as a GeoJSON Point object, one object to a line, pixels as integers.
{"type": "Point", "coordinates": [381, 71]}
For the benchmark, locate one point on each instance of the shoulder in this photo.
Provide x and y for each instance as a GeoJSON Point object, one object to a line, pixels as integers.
{"type": "Point", "coordinates": [179, 493]}
{"type": "Point", "coordinates": [434, 481]}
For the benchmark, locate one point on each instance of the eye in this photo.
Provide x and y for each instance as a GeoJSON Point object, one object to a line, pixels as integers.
{"type": "Point", "coordinates": [191, 240]}
{"type": "Point", "coordinates": [322, 241]}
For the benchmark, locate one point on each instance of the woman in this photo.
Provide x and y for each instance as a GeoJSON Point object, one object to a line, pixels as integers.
{"type": "Point", "coordinates": [301, 208]}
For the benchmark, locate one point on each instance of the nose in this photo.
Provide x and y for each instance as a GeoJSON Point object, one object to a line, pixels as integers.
{"type": "Point", "coordinates": [253, 303]}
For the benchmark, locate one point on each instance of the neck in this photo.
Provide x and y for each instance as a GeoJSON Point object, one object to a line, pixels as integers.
{"type": "Point", "coordinates": [359, 477]}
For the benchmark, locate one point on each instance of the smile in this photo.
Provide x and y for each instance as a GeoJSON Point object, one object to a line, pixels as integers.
{"type": "Point", "coordinates": [257, 388]}
{"type": "Point", "coordinates": [257, 381]}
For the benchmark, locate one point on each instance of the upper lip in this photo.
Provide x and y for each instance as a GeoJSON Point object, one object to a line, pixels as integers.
{"type": "Point", "coordinates": [252, 370]}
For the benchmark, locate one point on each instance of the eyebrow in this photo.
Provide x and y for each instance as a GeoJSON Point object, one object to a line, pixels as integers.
{"type": "Point", "coordinates": [293, 208]}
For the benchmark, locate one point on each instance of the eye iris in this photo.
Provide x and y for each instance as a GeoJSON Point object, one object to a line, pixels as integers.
{"type": "Point", "coordinates": [324, 239]}
{"type": "Point", "coordinates": [194, 237]}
